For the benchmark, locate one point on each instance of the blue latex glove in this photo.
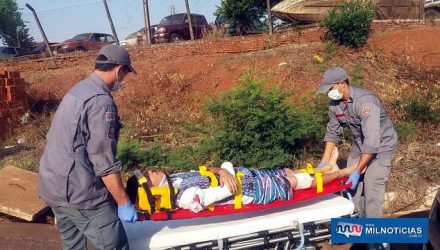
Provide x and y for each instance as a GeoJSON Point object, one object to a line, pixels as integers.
{"type": "Point", "coordinates": [353, 179]}
{"type": "Point", "coordinates": [127, 213]}
{"type": "Point", "coordinates": [321, 164]}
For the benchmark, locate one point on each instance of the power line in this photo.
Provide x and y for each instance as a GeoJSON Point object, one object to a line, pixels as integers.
{"type": "Point", "coordinates": [70, 6]}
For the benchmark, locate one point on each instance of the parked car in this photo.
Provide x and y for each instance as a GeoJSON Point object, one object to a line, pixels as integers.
{"type": "Point", "coordinates": [174, 28]}
{"type": "Point", "coordinates": [226, 24]}
{"type": "Point", "coordinates": [232, 28]}
{"type": "Point", "coordinates": [85, 41]}
{"type": "Point", "coordinates": [40, 48]}
{"type": "Point", "coordinates": [137, 37]}
{"type": "Point", "coordinates": [432, 9]}
{"type": "Point", "coordinates": [133, 39]}
{"type": "Point", "coordinates": [9, 52]}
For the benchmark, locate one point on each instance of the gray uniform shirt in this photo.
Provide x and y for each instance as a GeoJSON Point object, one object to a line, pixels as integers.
{"type": "Point", "coordinates": [80, 148]}
{"type": "Point", "coordinates": [368, 121]}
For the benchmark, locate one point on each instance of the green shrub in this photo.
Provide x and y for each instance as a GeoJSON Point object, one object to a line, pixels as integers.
{"type": "Point", "coordinates": [329, 51]}
{"type": "Point", "coordinates": [129, 152]}
{"type": "Point", "coordinates": [406, 130]}
{"type": "Point", "coordinates": [254, 126]}
{"type": "Point", "coordinates": [154, 155]}
{"type": "Point", "coordinates": [417, 109]}
{"type": "Point", "coordinates": [249, 125]}
{"type": "Point", "coordinates": [420, 110]}
{"type": "Point", "coordinates": [357, 76]}
{"type": "Point", "coordinates": [184, 158]}
{"type": "Point", "coordinates": [133, 154]}
{"type": "Point", "coordinates": [350, 23]}
{"type": "Point", "coordinates": [314, 116]}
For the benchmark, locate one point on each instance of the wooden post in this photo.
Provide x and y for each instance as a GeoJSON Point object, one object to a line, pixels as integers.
{"type": "Point", "coordinates": [111, 22]}
{"type": "Point", "coordinates": [147, 34]}
{"type": "Point", "coordinates": [188, 13]}
{"type": "Point", "coordinates": [269, 17]}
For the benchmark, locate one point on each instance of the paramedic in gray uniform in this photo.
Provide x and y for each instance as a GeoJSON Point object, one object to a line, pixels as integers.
{"type": "Point", "coordinates": [79, 177]}
{"type": "Point", "coordinates": [375, 139]}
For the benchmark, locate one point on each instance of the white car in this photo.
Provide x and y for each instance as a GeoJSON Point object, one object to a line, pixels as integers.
{"type": "Point", "coordinates": [134, 39]}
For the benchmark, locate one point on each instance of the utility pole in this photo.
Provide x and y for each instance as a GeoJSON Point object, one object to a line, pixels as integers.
{"type": "Point", "coordinates": [269, 17]}
{"type": "Point", "coordinates": [41, 29]}
{"type": "Point", "coordinates": [111, 22]}
{"type": "Point", "coordinates": [173, 9]}
{"type": "Point", "coordinates": [147, 33]}
{"type": "Point", "coordinates": [188, 13]}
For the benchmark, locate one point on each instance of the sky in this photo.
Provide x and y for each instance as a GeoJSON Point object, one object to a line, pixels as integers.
{"type": "Point", "coordinates": [63, 19]}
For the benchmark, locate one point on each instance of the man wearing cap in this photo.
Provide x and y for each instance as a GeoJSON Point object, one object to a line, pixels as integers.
{"type": "Point", "coordinates": [79, 177]}
{"type": "Point", "coordinates": [375, 138]}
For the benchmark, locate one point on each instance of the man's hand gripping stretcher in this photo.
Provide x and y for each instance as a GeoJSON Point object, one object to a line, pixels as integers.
{"type": "Point", "coordinates": [258, 186]}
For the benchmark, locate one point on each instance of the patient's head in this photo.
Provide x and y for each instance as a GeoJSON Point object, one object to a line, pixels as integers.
{"type": "Point", "coordinates": [156, 178]}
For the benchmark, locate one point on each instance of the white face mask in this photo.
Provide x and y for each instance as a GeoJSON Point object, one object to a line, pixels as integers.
{"type": "Point", "coordinates": [334, 94]}
{"type": "Point", "coordinates": [118, 84]}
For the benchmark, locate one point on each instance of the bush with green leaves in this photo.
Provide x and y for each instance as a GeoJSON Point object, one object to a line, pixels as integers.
{"type": "Point", "coordinates": [256, 127]}
{"type": "Point", "coordinates": [406, 130]}
{"type": "Point", "coordinates": [133, 153]}
{"type": "Point", "coordinates": [250, 125]}
{"type": "Point", "coordinates": [417, 109]}
{"type": "Point", "coordinates": [129, 152]}
{"type": "Point", "coordinates": [357, 76]}
{"type": "Point", "coordinates": [350, 23]}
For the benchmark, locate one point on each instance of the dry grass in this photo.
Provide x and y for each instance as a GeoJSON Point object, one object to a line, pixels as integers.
{"type": "Point", "coordinates": [215, 33]}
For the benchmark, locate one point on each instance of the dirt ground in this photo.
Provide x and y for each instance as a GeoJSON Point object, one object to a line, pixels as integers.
{"type": "Point", "coordinates": [175, 80]}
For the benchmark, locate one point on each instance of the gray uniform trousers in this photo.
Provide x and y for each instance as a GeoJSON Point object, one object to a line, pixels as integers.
{"type": "Point", "coordinates": [369, 194]}
{"type": "Point", "coordinates": [101, 226]}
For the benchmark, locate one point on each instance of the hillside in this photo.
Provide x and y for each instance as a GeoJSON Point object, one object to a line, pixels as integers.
{"type": "Point", "coordinates": [400, 60]}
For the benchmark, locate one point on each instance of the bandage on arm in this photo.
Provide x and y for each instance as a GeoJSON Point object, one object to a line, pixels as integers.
{"type": "Point", "coordinates": [213, 194]}
{"type": "Point", "coordinates": [195, 198]}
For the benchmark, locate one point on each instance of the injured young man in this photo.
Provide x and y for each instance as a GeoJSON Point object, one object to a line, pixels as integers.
{"type": "Point", "coordinates": [259, 186]}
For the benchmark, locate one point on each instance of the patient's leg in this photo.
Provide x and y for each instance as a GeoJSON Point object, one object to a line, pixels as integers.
{"type": "Point", "coordinates": [331, 167]}
{"type": "Point", "coordinates": [304, 180]}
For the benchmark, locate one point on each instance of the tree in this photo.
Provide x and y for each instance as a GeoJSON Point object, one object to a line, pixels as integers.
{"type": "Point", "coordinates": [244, 13]}
{"type": "Point", "coordinates": [13, 31]}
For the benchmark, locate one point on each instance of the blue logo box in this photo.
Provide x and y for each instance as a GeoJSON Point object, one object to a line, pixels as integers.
{"type": "Point", "coordinates": [379, 230]}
